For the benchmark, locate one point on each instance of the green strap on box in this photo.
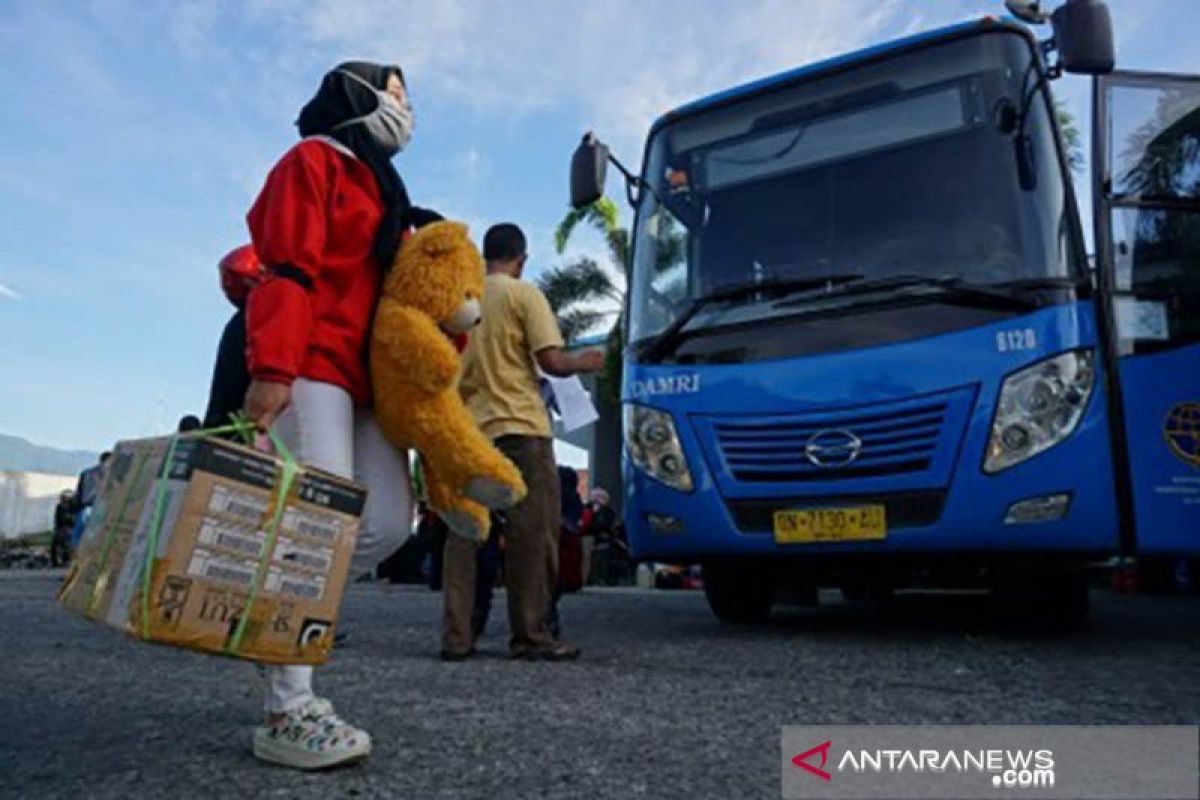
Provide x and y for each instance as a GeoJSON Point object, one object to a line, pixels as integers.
{"type": "Point", "coordinates": [287, 478]}
{"type": "Point", "coordinates": [288, 472]}
{"type": "Point", "coordinates": [109, 534]}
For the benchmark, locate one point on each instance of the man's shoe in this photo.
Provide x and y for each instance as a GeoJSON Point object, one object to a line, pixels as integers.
{"type": "Point", "coordinates": [457, 655]}
{"type": "Point", "coordinates": [559, 651]}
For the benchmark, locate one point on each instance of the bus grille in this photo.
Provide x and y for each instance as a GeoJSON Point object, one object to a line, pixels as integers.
{"type": "Point", "coordinates": [885, 440]}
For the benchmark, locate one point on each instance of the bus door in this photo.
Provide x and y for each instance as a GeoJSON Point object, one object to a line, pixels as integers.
{"type": "Point", "coordinates": [1146, 192]}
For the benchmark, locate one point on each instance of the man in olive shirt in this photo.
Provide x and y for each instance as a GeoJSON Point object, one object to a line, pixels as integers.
{"type": "Point", "coordinates": [519, 334]}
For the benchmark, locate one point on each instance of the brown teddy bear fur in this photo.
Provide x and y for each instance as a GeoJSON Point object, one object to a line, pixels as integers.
{"type": "Point", "coordinates": [415, 371]}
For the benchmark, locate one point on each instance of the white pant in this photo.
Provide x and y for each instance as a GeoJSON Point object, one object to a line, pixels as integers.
{"type": "Point", "coordinates": [323, 429]}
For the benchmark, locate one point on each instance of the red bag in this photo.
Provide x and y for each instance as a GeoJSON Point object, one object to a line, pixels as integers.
{"type": "Point", "coordinates": [570, 561]}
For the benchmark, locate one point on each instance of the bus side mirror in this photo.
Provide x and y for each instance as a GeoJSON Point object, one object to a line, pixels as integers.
{"type": "Point", "coordinates": [589, 166]}
{"type": "Point", "coordinates": [1084, 37]}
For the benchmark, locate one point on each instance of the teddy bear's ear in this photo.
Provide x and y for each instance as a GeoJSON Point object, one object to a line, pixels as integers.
{"type": "Point", "coordinates": [441, 238]}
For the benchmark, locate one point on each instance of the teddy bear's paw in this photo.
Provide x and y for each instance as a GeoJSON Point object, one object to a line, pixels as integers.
{"type": "Point", "coordinates": [463, 524]}
{"type": "Point", "coordinates": [491, 493]}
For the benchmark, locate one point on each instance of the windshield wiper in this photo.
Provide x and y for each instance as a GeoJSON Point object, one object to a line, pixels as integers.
{"type": "Point", "coordinates": [949, 288]}
{"type": "Point", "coordinates": [666, 342]}
{"type": "Point", "coordinates": [1046, 282]}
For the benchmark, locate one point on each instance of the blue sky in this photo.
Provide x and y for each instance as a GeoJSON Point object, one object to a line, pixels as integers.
{"type": "Point", "coordinates": [134, 135]}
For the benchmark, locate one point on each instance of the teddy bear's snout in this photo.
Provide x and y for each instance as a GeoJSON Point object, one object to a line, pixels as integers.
{"type": "Point", "coordinates": [466, 317]}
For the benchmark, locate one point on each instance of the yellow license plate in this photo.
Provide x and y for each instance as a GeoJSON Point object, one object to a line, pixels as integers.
{"type": "Point", "coordinates": [855, 524]}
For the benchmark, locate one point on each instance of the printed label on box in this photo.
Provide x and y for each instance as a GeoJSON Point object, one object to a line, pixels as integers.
{"type": "Point", "coordinates": [248, 506]}
{"type": "Point", "coordinates": [226, 536]}
{"type": "Point", "coordinates": [294, 584]}
{"type": "Point", "coordinates": [289, 552]}
{"type": "Point", "coordinates": [312, 524]}
{"type": "Point", "coordinates": [213, 566]}
{"type": "Point", "coordinates": [307, 587]}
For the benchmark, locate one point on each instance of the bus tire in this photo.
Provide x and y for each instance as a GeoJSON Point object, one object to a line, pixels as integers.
{"type": "Point", "coordinates": [739, 593]}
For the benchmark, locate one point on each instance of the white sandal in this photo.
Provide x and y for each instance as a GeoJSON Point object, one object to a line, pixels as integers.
{"type": "Point", "coordinates": [311, 737]}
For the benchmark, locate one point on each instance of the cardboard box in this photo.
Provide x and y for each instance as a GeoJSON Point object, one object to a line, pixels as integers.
{"type": "Point", "coordinates": [216, 505]}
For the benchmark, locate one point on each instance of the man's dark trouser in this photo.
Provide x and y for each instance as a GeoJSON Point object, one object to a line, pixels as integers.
{"type": "Point", "coordinates": [530, 558]}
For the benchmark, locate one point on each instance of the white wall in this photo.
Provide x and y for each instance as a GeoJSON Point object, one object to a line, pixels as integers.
{"type": "Point", "coordinates": [27, 501]}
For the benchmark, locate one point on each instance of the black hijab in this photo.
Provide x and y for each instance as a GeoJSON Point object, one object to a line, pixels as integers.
{"type": "Point", "coordinates": [341, 98]}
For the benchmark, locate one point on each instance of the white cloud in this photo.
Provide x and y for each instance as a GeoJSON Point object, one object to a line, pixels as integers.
{"type": "Point", "coordinates": [8, 293]}
{"type": "Point", "coordinates": [618, 64]}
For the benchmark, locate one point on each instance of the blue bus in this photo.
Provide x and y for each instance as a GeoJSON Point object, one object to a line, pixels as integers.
{"type": "Point", "coordinates": [866, 347]}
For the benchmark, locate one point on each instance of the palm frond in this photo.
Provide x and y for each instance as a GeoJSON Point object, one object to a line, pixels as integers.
{"type": "Point", "coordinates": [1072, 140]}
{"type": "Point", "coordinates": [575, 322]}
{"type": "Point", "coordinates": [582, 281]}
{"type": "Point", "coordinates": [603, 215]}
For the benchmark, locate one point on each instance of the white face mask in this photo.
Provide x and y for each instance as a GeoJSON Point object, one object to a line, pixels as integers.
{"type": "Point", "coordinates": [391, 124]}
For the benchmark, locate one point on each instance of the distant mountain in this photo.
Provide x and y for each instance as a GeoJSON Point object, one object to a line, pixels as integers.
{"type": "Point", "coordinates": [24, 456]}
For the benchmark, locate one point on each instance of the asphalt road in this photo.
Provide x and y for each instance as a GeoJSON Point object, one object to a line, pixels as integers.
{"type": "Point", "coordinates": [665, 703]}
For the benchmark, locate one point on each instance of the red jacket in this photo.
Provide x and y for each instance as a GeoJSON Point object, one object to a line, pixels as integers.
{"type": "Point", "coordinates": [314, 221]}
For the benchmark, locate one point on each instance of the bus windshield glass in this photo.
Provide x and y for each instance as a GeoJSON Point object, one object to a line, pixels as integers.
{"type": "Point", "coordinates": [912, 166]}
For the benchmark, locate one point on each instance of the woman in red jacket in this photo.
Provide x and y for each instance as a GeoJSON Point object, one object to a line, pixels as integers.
{"type": "Point", "coordinates": [326, 227]}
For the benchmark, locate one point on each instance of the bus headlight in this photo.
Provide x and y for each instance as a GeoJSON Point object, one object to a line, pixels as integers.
{"type": "Point", "coordinates": [654, 446]}
{"type": "Point", "coordinates": [1039, 407]}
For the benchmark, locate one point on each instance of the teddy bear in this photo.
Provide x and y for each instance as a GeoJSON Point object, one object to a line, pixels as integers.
{"type": "Point", "coordinates": [431, 294]}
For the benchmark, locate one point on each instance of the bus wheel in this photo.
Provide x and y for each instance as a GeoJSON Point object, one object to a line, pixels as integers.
{"type": "Point", "coordinates": [739, 593]}
{"type": "Point", "coordinates": [1056, 600]}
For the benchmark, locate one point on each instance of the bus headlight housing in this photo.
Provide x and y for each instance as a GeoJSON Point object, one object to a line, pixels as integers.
{"type": "Point", "coordinates": [654, 447]}
{"type": "Point", "coordinates": [1039, 407]}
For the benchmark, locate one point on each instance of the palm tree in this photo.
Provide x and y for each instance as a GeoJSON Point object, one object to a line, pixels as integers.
{"type": "Point", "coordinates": [605, 217]}
{"type": "Point", "coordinates": [579, 291]}
{"type": "Point", "coordinates": [573, 290]}
{"type": "Point", "coordinates": [1071, 138]}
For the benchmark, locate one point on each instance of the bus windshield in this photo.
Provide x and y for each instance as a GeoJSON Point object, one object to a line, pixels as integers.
{"type": "Point", "coordinates": [906, 167]}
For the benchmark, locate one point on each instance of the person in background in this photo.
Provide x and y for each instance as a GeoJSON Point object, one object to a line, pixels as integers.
{"type": "Point", "coordinates": [64, 521]}
{"type": "Point", "coordinates": [570, 557]}
{"type": "Point", "coordinates": [569, 499]}
{"type": "Point", "coordinates": [326, 228]}
{"type": "Point", "coordinates": [597, 516]}
{"type": "Point", "coordinates": [86, 489]}
{"type": "Point", "coordinates": [601, 523]}
{"type": "Point", "coordinates": [240, 271]}
{"type": "Point", "coordinates": [188, 424]}
{"type": "Point", "coordinates": [89, 482]}
{"type": "Point", "coordinates": [519, 334]}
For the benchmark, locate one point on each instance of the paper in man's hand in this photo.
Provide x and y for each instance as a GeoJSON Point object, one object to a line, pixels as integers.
{"type": "Point", "coordinates": [574, 403]}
